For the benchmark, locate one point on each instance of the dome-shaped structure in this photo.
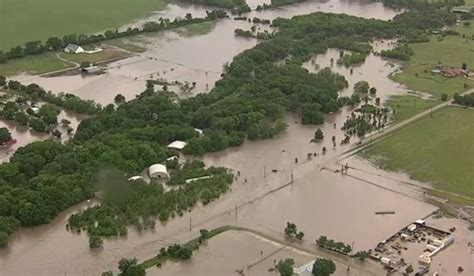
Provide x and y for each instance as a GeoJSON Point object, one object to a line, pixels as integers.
{"type": "Point", "coordinates": [158, 171]}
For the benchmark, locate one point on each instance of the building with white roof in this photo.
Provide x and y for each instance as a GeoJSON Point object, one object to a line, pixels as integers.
{"type": "Point", "coordinates": [179, 145]}
{"type": "Point", "coordinates": [158, 171]}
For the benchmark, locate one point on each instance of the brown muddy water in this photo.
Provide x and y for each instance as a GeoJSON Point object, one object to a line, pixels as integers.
{"type": "Point", "coordinates": [319, 201]}
{"type": "Point", "coordinates": [197, 59]}
{"type": "Point", "coordinates": [239, 250]}
{"type": "Point", "coordinates": [24, 136]}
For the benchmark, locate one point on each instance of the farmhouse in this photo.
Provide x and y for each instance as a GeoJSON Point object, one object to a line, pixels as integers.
{"type": "Point", "coordinates": [73, 49]}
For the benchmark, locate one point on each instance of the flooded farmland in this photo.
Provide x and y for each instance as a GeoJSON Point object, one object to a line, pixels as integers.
{"type": "Point", "coordinates": [197, 59]}
{"type": "Point", "coordinates": [319, 201]}
{"type": "Point", "coordinates": [240, 251]}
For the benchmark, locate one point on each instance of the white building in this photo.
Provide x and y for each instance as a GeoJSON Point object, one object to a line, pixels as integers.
{"type": "Point", "coordinates": [179, 145]}
{"type": "Point", "coordinates": [158, 171]}
{"type": "Point", "coordinates": [73, 49]}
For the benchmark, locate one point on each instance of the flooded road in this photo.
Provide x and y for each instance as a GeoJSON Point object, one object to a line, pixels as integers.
{"type": "Point", "coordinates": [188, 58]}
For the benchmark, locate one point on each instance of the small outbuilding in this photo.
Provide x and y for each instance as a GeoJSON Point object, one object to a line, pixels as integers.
{"type": "Point", "coordinates": [91, 70]}
{"type": "Point", "coordinates": [74, 49]}
{"type": "Point", "coordinates": [135, 178]}
{"type": "Point", "coordinates": [158, 171]}
{"type": "Point", "coordinates": [178, 145]}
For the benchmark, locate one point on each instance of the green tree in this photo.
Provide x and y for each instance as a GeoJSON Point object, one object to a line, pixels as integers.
{"type": "Point", "coordinates": [49, 113]}
{"type": "Point", "coordinates": [300, 235]}
{"type": "Point", "coordinates": [409, 269]}
{"type": "Point", "coordinates": [119, 99]}
{"type": "Point", "coordinates": [5, 135]}
{"type": "Point", "coordinates": [95, 241]}
{"type": "Point", "coordinates": [54, 43]}
{"type": "Point", "coordinates": [4, 237]}
{"type": "Point", "coordinates": [323, 267]}
{"type": "Point", "coordinates": [373, 90]}
{"type": "Point", "coordinates": [318, 135]}
{"type": "Point", "coordinates": [130, 267]}
{"type": "Point", "coordinates": [3, 80]}
{"type": "Point", "coordinates": [444, 97]}
{"type": "Point", "coordinates": [22, 118]}
{"type": "Point", "coordinates": [285, 267]}
{"type": "Point", "coordinates": [290, 229]}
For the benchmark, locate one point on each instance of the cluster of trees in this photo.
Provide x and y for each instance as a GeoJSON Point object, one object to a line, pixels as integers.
{"type": "Point", "coordinates": [56, 43]}
{"type": "Point", "coordinates": [5, 135]}
{"type": "Point", "coordinates": [368, 118]}
{"type": "Point", "coordinates": [138, 203]}
{"type": "Point", "coordinates": [361, 255]}
{"type": "Point", "coordinates": [277, 3]}
{"type": "Point", "coordinates": [402, 52]}
{"type": "Point", "coordinates": [251, 33]}
{"type": "Point", "coordinates": [34, 93]}
{"type": "Point", "coordinates": [329, 244]}
{"type": "Point", "coordinates": [466, 100]}
{"type": "Point", "coordinates": [285, 267]}
{"type": "Point", "coordinates": [291, 231]}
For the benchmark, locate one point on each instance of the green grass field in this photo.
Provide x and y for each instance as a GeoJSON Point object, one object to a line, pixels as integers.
{"type": "Point", "coordinates": [28, 20]}
{"type": "Point", "coordinates": [44, 63]}
{"type": "Point", "coordinates": [407, 106]}
{"type": "Point", "coordinates": [131, 44]}
{"type": "Point", "coordinates": [452, 51]}
{"type": "Point", "coordinates": [438, 150]}
{"type": "Point", "coordinates": [196, 29]}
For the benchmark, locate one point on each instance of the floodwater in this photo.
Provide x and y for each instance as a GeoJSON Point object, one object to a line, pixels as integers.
{"type": "Point", "coordinates": [24, 136]}
{"type": "Point", "coordinates": [319, 201]}
{"type": "Point", "coordinates": [255, 257]}
{"type": "Point", "coordinates": [375, 70]}
{"type": "Point", "coordinates": [197, 59]}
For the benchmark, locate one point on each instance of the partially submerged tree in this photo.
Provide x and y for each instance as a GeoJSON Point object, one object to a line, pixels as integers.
{"type": "Point", "coordinates": [323, 267]}
{"type": "Point", "coordinates": [285, 267]}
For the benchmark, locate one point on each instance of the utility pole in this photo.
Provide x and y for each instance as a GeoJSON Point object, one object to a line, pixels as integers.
{"type": "Point", "coordinates": [292, 180]}
{"type": "Point", "coordinates": [264, 171]}
{"type": "Point", "coordinates": [431, 113]}
{"type": "Point", "coordinates": [236, 216]}
{"type": "Point", "coordinates": [190, 225]}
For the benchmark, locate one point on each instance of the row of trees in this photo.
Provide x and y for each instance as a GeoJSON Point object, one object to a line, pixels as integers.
{"type": "Point", "coordinates": [402, 52]}
{"type": "Point", "coordinates": [466, 100]}
{"type": "Point", "coordinates": [56, 43]}
{"type": "Point", "coordinates": [329, 244]}
{"type": "Point", "coordinates": [34, 93]}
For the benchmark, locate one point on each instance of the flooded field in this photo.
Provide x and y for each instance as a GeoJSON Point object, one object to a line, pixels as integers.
{"type": "Point", "coordinates": [197, 59]}
{"type": "Point", "coordinates": [231, 251]}
{"type": "Point", "coordinates": [24, 136]}
{"type": "Point", "coordinates": [375, 70]}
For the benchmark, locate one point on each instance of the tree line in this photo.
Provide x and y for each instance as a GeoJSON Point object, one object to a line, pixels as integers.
{"type": "Point", "coordinates": [466, 100]}
{"type": "Point", "coordinates": [56, 43]}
